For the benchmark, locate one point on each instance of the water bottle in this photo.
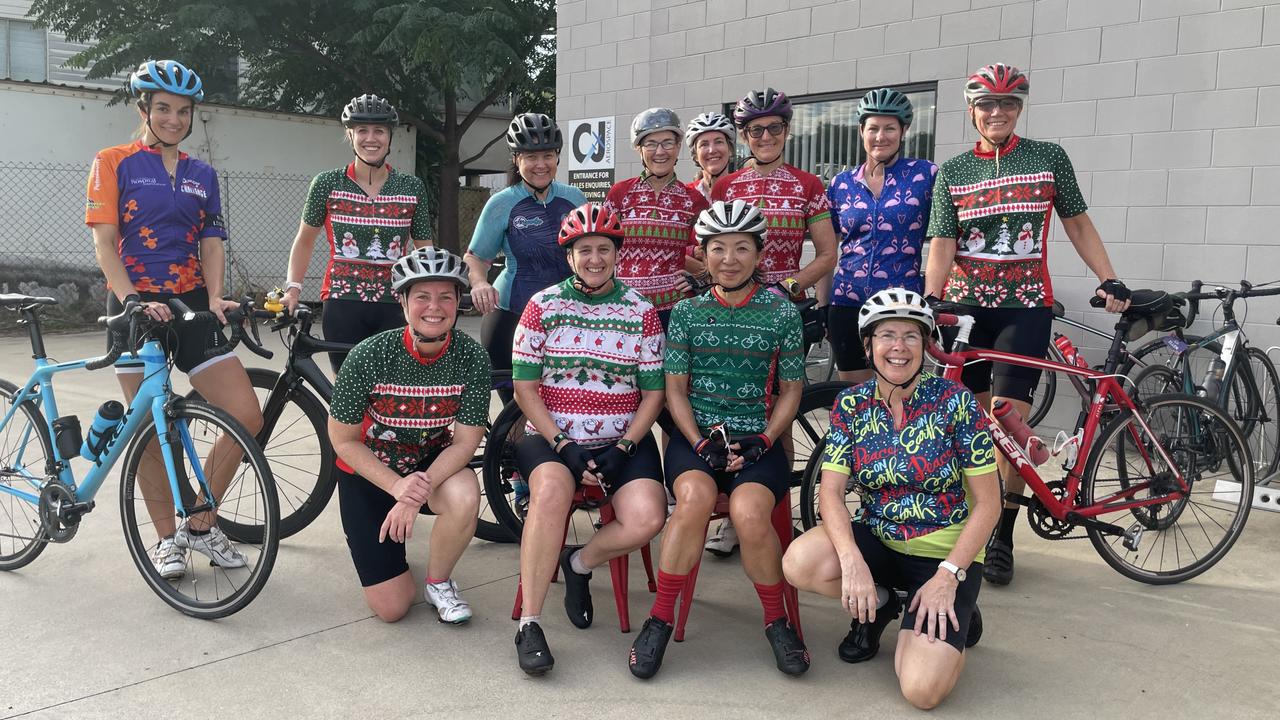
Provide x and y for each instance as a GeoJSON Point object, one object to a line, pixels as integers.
{"type": "Point", "coordinates": [1213, 378]}
{"type": "Point", "coordinates": [104, 427]}
{"type": "Point", "coordinates": [1011, 420]}
{"type": "Point", "coordinates": [66, 435]}
{"type": "Point", "coordinates": [1068, 350]}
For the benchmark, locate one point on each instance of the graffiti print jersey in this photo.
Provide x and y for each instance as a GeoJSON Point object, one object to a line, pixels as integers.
{"type": "Point", "coordinates": [912, 480]}
{"type": "Point", "coordinates": [161, 220]}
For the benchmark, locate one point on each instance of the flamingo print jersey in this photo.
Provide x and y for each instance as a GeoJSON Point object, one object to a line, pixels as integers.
{"type": "Point", "coordinates": [366, 234]}
{"type": "Point", "coordinates": [592, 356]}
{"type": "Point", "coordinates": [880, 238]}
{"type": "Point", "coordinates": [998, 210]}
{"type": "Point", "coordinates": [911, 479]}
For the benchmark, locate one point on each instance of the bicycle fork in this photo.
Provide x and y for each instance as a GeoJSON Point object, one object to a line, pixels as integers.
{"type": "Point", "coordinates": [184, 500]}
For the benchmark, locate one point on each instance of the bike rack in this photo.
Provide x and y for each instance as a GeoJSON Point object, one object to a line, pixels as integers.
{"type": "Point", "coordinates": [1264, 498]}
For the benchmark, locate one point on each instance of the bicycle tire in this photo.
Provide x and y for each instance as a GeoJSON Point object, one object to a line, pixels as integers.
{"type": "Point", "coordinates": [1264, 441]}
{"type": "Point", "coordinates": [22, 536]}
{"type": "Point", "coordinates": [1204, 441]}
{"type": "Point", "coordinates": [304, 490]}
{"type": "Point", "coordinates": [808, 433]}
{"type": "Point", "coordinates": [1047, 389]}
{"type": "Point", "coordinates": [252, 496]}
{"type": "Point", "coordinates": [1158, 352]}
{"type": "Point", "coordinates": [498, 470]}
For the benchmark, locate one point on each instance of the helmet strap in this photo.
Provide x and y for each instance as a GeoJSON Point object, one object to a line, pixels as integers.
{"type": "Point", "coordinates": [539, 191]}
{"type": "Point", "coordinates": [880, 376]}
{"type": "Point", "coordinates": [424, 339]}
{"type": "Point", "coordinates": [160, 143]}
{"type": "Point", "coordinates": [587, 289]}
{"type": "Point", "coordinates": [735, 288]}
{"type": "Point", "coordinates": [377, 164]}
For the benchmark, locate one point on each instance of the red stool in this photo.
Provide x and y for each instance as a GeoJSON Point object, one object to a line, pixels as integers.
{"type": "Point", "coordinates": [781, 520]}
{"type": "Point", "coordinates": [619, 567]}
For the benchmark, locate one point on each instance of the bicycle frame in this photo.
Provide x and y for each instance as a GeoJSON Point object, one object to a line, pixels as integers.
{"type": "Point", "coordinates": [1106, 388]}
{"type": "Point", "coordinates": [149, 403]}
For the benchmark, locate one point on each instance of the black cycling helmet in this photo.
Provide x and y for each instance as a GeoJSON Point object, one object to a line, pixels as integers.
{"type": "Point", "coordinates": [533, 132]}
{"type": "Point", "coordinates": [369, 109]}
{"type": "Point", "coordinates": [762, 103]}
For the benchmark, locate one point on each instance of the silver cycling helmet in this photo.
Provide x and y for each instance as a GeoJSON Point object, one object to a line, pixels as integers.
{"type": "Point", "coordinates": [894, 304]}
{"type": "Point", "coordinates": [655, 120]}
{"type": "Point", "coordinates": [738, 216]}
{"type": "Point", "coordinates": [428, 263]}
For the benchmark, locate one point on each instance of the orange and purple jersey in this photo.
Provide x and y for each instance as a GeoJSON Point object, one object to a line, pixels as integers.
{"type": "Point", "coordinates": [161, 219]}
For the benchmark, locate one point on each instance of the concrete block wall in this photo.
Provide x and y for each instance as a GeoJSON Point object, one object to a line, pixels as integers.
{"type": "Point", "coordinates": [1170, 109]}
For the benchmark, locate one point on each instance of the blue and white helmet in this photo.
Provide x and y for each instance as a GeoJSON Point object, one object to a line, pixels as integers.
{"type": "Point", "coordinates": [168, 76]}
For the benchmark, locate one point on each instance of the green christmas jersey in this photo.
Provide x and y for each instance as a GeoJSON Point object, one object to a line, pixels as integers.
{"type": "Point", "coordinates": [366, 234]}
{"type": "Point", "coordinates": [405, 403]}
{"type": "Point", "coordinates": [997, 209]}
{"type": "Point", "coordinates": [732, 354]}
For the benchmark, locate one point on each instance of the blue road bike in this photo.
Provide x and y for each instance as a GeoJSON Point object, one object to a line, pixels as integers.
{"type": "Point", "coordinates": [216, 473]}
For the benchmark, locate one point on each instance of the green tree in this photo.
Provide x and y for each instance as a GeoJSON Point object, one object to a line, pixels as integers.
{"type": "Point", "coordinates": [442, 62]}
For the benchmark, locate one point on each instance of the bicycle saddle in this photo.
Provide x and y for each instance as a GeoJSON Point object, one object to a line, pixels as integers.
{"type": "Point", "coordinates": [19, 300]}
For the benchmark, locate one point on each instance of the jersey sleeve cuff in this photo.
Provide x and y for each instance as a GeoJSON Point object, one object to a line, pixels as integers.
{"type": "Point", "coordinates": [835, 467]}
{"type": "Point", "coordinates": [983, 470]}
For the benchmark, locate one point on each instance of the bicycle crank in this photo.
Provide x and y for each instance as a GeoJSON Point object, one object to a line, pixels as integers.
{"type": "Point", "coordinates": [60, 512]}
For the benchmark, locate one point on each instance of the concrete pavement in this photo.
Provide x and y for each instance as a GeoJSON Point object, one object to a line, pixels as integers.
{"type": "Point", "coordinates": [81, 636]}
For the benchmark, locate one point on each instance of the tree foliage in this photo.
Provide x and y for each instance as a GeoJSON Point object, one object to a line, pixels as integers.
{"type": "Point", "coordinates": [442, 62]}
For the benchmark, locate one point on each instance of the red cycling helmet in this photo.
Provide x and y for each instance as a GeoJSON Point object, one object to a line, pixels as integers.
{"type": "Point", "coordinates": [998, 80]}
{"type": "Point", "coordinates": [590, 219]}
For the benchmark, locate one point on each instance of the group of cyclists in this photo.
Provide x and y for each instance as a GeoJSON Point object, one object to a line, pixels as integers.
{"type": "Point", "coordinates": [596, 316]}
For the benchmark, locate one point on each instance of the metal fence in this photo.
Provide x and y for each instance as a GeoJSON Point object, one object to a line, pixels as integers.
{"type": "Point", "coordinates": [46, 249]}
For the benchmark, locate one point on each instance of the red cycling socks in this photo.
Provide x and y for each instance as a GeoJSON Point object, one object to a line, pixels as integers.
{"type": "Point", "coordinates": [771, 601]}
{"type": "Point", "coordinates": [669, 587]}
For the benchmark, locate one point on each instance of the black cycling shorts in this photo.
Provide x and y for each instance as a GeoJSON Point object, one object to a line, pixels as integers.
{"type": "Point", "coordinates": [892, 569]}
{"type": "Point", "coordinates": [350, 321]}
{"type": "Point", "coordinates": [364, 507]}
{"type": "Point", "coordinates": [191, 345]}
{"type": "Point", "coordinates": [534, 450]}
{"type": "Point", "coordinates": [846, 343]}
{"type": "Point", "coordinates": [771, 470]}
{"type": "Point", "coordinates": [1022, 331]}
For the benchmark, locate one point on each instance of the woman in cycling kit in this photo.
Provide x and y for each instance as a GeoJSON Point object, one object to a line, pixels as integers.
{"type": "Point", "coordinates": [710, 139]}
{"type": "Point", "coordinates": [724, 350]}
{"type": "Point", "coordinates": [658, 212]}
{"type": "Point", "coordinates": [990, 228]}
{"type": "Point", "coordinates": [917, 449]}
{"type": "Point", "coordinates": [409, 409]}
{"type": "Point", "coordinates": [587, 367]}
{"type": "Point", "coordinates": [372, 216]}
{"type": "Point", "coordinates": [520, 223]}
{"type": "Point", "coordinates": [156, 218]}
{"type": "Point", "coordinates": [880, 211]}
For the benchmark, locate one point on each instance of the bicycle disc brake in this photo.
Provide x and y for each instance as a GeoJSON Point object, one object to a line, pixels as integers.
{"type": "Point", "coordinates": [1043, 522]}
{"type": "Point", "coordinates": [60, 513]}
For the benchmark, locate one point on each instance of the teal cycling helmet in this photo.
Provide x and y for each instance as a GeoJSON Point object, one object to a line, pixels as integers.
{"type": "Point", "coordinates": [168, 76]}
{"type": "Point", "coordinates": [887, 102]}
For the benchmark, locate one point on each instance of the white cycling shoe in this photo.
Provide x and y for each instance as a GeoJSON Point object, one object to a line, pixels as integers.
{"type": "Point", "coordinates": [215, 545]}
{"type": "Point", "coordinates": [723, 541]}
{"type": "Point", "coordinates": [170, 561]}
{"type": "Point", "coordinates": [447, 602]}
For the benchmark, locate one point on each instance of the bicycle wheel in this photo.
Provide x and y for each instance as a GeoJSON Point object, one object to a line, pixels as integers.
{"type": "Point", "coordinates": [295, 441]}
{"type": "Point", "coordinates": [1264, 438]}
{"type": "Point", "coordinates": [1161, 351]}
{"type": "Point", "coordinates": [1155, 380]}
{"type": "Point", "coordinates": [1187, 530]}
{"type": "Point", "coordinates": [26, 453]}
{"type": "Point", "coordinates": [1046, 390]}
{"type": "Point", "coordinates": [807, 434]}
{"type": "Point", "coordinates": [501, 477]}
{"type": "Point", "coordinates": [207, 443]}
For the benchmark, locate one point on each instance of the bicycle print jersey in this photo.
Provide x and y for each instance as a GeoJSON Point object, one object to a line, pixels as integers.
{"type": "Point", "coordinates": [732, 354]}
{"type": "Point", "coordinates": [592, 356]}
{"type": "Point", "coordinates": [880, 238]}
{"type": "Point", "coordinates": [1001, 221]}
{"type": "Point", "coordinates": [161, 220]}
{"type": "Point", "coordinates": [913, 480]}
{"type": "Point", "coordinates": [514, 223]}
{"type": "Point", "coordinates": [406, 404]}
{"type": "Point", "coordinates": [658, 230]}
{"type": "Point", "coordinates": [791, 200]}
{"type": "Point", "coordinates": [366, 235]}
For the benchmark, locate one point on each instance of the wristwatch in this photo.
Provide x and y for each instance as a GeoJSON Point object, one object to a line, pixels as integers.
{"type": "Point", "coordinates": [627, 446]}
{"type": "Point", "coordinates": [792, 285]}
{"type": "Point", "coordinates": [954, 569]}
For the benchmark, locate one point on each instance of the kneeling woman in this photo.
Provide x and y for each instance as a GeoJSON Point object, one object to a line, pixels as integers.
{"type": "Point", "coordinates": [587, 366]}
{"type": "Point", "coordinates": [409, 410]}
{"type": "Point", "coordinates": [724, 348]}
{"type": "Point", "coordinates": [923, 525]}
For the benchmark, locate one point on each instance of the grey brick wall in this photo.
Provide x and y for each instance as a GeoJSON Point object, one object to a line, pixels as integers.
{"type": "Point", "coordinates": [1170, 109]}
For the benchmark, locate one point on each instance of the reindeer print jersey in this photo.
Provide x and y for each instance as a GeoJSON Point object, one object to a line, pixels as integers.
{"type": "Point", "coordinates": [592, 356]}
{"type": "Point", "coordinates": [405, 403]}
{"type": "Point", "coordinates": [912, 479]}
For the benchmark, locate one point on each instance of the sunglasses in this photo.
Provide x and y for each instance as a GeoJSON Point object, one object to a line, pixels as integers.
{"type": "Point", "coordinates": [775, 129]}
{"type": "Point", "coordinates": [1007, 104]}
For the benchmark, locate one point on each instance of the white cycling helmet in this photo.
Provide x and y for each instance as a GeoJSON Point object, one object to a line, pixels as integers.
{"type": "Point", "coordinates": [894, 304]}
{"type": "Point", "coordinates": [709, 122]}
{"type": "Point", "coordinates": [738, 216]}
{"type": "Point", "coordinates": [428, 263]}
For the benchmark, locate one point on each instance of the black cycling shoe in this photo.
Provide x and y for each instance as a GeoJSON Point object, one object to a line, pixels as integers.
{"type": "Point", "coordinates": [788, 649]}
{"type": "Point", "coordinates": [998, 569]}
{"type": "Point", "coordinates": [649, 647]}
{"type": "Point", "coordinates": [975, 628]}
{"type": "Point", "coordinates": [863, 641]}
{"type": "Point", "coordinates": [577, 593]}
{"type": "Point", "coordinates": [532, 651]}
